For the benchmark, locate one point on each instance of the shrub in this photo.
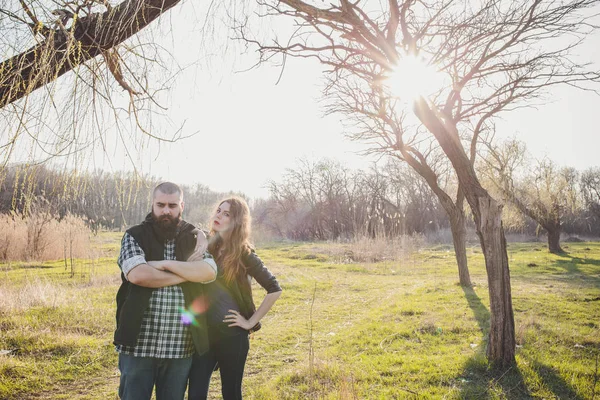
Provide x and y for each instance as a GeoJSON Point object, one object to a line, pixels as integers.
{"type": "Point", "coordinates": [41, 236]}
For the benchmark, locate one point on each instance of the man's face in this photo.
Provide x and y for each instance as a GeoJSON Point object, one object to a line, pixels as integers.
{"type": "Point", "coordinates": [167, 209]}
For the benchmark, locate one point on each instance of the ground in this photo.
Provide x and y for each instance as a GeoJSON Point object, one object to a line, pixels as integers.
{"type": "Point", "coordinates": [355, 321]}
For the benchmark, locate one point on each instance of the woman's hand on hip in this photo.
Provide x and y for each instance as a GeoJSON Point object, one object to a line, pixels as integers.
{"type": "Point", "coordinates": [236, 319]}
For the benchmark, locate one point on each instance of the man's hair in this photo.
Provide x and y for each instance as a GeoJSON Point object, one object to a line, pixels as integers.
{"type": "Point", "coordinates": [167, 188]}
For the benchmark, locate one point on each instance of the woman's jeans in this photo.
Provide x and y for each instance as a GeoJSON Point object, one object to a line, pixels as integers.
{"type": "Point", "coordinates": [140, 374]}
{"type": "Point", "coordinates": [230, 353]}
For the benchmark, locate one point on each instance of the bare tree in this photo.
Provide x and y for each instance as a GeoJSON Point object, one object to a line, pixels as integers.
{"type": "Point", "coordinates": [496, 56]}
{"type": "Point", "coordinates": [420, 205]}
{"type": "Point", "coordinates": [67, 36]}
{"type": "Point", "coordinates": [539, 189]}
{"type": "Point", "coordinates": [590, 186]}
{"type": "Point", "coordinates": [81, 75]}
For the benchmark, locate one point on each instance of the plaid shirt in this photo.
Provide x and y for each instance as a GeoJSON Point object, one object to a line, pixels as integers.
{"type": "Point", "coordinates": [162, 335]}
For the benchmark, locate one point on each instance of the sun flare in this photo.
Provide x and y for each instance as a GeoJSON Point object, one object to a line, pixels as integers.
{"type": "Point", "coordinates": [412, 78]}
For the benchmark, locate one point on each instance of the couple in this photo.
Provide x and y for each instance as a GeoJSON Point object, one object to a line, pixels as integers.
{"type": "Point", "coordinates": [185, 304]}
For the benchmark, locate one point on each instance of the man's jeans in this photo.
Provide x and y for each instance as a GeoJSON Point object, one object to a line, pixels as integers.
{"type": "Point", "coordinates": [140, 374]}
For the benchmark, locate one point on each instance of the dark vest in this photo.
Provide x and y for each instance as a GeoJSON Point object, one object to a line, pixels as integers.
{"type": "Point", "coordinates": [133, 300]}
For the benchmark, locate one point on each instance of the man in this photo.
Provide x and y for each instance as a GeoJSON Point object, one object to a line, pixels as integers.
{"type": "Point", "coordinates": [155, 347]}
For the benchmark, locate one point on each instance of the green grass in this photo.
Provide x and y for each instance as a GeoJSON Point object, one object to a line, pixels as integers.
{"type": "Point", "coordinates": [393, 329]}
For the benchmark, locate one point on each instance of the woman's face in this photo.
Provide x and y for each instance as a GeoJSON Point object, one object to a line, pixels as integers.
{"type": "Point", "coordinates": [222, 221]}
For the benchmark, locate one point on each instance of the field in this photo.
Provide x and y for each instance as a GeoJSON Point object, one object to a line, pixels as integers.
{"type": "Point", "coordinates": [352, 323]}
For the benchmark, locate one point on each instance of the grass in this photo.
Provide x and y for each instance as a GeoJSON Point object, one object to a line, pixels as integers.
{"type": "Point", "coordinates": [349, 325]}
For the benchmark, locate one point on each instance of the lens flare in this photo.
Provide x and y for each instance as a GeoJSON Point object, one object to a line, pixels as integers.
{"type": "Point", "coordinates": [198, 307]}
{"type": "Point", "coordinates": [187, 317]}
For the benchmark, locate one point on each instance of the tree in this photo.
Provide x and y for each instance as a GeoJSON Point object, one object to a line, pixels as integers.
{"type": "Point", "coordinates": [590, 186]}
{"type": "Point", "coordinates": [539, 189]}
{"type": "Point", "coordinates": [495, 56]}
{"type": "Point", "coordinates": [71, 71]}
{"type": "Point", "coordinates": [77, 33]}
{"type": "Point", "coordinates": [315, 201]}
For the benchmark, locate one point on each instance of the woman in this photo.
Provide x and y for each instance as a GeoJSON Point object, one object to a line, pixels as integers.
{"type": "Point", "coordinates": [231, 314]}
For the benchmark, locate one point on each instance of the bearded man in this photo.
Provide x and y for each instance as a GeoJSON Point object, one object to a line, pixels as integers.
{"type": "Point", "coordinates": [154, 342]}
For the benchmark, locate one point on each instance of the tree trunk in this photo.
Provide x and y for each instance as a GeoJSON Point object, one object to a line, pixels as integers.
{"type": "Point", "coordinates": [60, 52]}
{"type": "Point", "coordinates": [455, 214]}
{"type": "Point", "coordinates": [459, 239]}
{"type": "Point", "coordinates": [501, 343]}
{"type": "Point", "coordinates": [554, 240]}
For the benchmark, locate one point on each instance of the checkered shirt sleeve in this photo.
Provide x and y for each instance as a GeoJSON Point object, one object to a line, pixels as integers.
{"type": "Point", "coordinates": [131, 254]}
{"type": "Point", "coordinates": [162, 334]}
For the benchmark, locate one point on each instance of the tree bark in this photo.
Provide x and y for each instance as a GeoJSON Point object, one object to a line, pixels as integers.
{"type": "Point", "coordinates": [64, 49]}
{"type": "Point", "coordinates": [459, 239]}
{"type": "Point", "coordinates": [501, 343]}
{"type": "Point", "coordinates": [554, 240]}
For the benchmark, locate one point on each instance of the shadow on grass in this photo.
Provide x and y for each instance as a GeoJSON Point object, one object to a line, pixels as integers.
{"type": "Point", "coordinates": [36, 267]}
{"type": "Point", "coordinates": [480, 311]}
{"type": "Point", "coordinates": [479, 381]}
{"type": "Point", "coordinates": [570, 268]}
{"type": "Point", "coordinates": [554, 382]}
{"type": "Point", "coordinates": [574, 261]}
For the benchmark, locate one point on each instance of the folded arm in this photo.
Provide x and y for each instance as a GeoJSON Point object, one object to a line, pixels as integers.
{"type": "Point", "coordinates": [199, 267]}
{"type": "Point", "coordinates": [132, 262]}
{"type": "Point", "coordinates": [146, 276]}
{"type": "Point", "coordinates": [204, 270]}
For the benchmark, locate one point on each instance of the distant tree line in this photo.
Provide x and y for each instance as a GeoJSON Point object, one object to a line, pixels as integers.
{"type": "Point", "coordinates": [324, 200]}
{"type": "Point", "coordinates": [105, 200]}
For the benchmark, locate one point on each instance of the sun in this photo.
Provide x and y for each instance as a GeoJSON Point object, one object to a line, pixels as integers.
{"type": "Point", "coordinates": [412, 78]}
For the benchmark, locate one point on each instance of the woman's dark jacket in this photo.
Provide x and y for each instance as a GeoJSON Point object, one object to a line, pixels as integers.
{"type": "Point", "coordinates": [242, 291]}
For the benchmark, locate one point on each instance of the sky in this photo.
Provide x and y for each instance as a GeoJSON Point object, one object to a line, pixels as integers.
{"type": "Point", "coordinates": [251, 126]}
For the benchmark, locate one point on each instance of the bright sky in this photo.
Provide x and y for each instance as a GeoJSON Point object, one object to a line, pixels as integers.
{"type": "Point", "coordinates": [250, 129]}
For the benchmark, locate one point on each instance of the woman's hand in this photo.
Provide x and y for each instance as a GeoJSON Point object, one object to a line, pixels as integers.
{"type": "Point", "coordinates": [236, 319]}
{"type": "Point", "coordinates": [159, 265]}
{"type": "Point", "coordinates": [200, 249]}
{"type": "Point", "coordinates": [196, 256]}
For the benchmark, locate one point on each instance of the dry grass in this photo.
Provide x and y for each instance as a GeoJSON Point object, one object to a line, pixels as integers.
{"type": "Point", "coordinates": [42, 237]}
{"type": "Point", "coordinates": [366, 249]}
{"type": "Point", "coordinates": [36, 292]}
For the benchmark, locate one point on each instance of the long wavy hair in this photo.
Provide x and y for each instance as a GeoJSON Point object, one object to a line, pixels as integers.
{"type": "Point", "coordinates": [229, 254]}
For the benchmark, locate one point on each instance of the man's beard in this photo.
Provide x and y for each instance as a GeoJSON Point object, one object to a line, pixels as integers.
{"type": "Point", "coordinates": [167, 223]}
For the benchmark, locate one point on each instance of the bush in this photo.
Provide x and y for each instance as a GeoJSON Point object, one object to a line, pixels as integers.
{"type": "Point", "coordinates": [41, 236]}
